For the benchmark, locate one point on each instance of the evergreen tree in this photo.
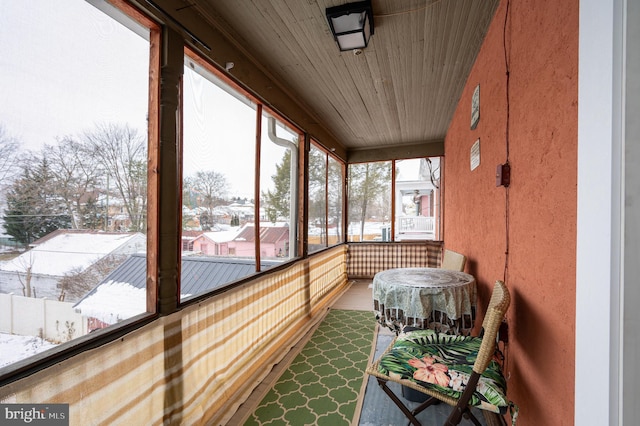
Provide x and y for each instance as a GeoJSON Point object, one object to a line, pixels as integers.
{"type": "Point", "coordinates": [206, 221]}
{"type": "Point", "coordinates": [91, 216]}
{"type": "Point", "coordinates": [189, 197]}
{"type": "Point", "coordinates": [277, 202]}
{"type": "Point", "coordinates": [32, 211]}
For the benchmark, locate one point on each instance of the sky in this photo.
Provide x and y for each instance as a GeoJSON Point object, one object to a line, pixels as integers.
{"type": "Point", "coordinates": [66, 66]}
{"type": "Point", "coordinates": [43, 62]}
{"type": "Point", "coordinates": [50, 49]}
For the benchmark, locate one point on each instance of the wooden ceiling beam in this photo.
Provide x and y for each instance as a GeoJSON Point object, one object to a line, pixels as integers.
{"type": "Point", "coordinates": [396, 152]}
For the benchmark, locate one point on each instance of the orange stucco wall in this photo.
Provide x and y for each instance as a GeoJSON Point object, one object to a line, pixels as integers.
{"type": "Point", "coordinates": [535, 218]}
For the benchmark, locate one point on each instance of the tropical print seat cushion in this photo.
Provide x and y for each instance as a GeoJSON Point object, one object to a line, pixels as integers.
{"type": "Point", "coordinates": [444, 363]}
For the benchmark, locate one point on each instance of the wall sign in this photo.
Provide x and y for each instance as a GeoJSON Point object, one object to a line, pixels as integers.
{"type": "Point", "coordinates": [475, 107]}
{"type": "Point", "coordinates": [475, 154]}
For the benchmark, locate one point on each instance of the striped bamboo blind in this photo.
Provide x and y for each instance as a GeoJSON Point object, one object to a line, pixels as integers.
{"type": "Point", "coordinates": [195, 366]}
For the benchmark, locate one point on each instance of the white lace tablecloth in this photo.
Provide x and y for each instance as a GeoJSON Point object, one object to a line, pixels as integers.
{"type": "Point", "coordinates": [433, 298]}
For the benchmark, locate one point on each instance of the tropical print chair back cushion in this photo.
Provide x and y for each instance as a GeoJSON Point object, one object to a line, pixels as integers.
{"type": "Point", "coordinates": [444, 364]}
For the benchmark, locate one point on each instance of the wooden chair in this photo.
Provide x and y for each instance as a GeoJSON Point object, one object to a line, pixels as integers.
{"type": "Point", "coordinates": [458, 370]}
{"type": "Point", "coordinates": [453, 261]}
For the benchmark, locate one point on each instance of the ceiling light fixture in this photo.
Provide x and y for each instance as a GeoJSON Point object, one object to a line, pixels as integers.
{"type": "Point", "coordinates": [351, 24]}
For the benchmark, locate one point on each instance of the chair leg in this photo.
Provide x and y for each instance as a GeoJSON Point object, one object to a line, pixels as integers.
{"type": "Point", "coordinates": [457, 414]}
{"type": "Point", "coordinates": [468, 415]}
{"type": "Point", "coordinates": [396, 400]}
{"type": "Point", "coordinates": [428, 403]}
{"type": "Point", "coordinates": [462, 408]}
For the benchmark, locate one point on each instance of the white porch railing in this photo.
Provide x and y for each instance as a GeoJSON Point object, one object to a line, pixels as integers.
{"type": "Point", "coordinates": [415, 226]}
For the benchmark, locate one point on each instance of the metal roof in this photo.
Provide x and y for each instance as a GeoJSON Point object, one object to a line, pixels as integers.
{"type": "Point", "coordinates": [268, 234]}
{"type": "Point", "coordinates": [199, 274]}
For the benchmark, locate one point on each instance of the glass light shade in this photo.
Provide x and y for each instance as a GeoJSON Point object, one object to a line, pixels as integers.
{"type": "Point", "coordinates": [351, 24]}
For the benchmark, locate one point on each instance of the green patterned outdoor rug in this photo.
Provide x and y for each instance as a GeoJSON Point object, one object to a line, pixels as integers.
{"type": "Point", "coordinates": [323, 382]}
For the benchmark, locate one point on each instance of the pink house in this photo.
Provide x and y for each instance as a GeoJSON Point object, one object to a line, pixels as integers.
{"type": "Point", "coordinates": [273, 242]}
{"type": "Point", "coordinates": [214, 243]}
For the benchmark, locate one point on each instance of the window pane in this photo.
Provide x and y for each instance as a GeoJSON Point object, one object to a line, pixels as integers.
{"type": "Point", "coordinates": [369, 201]}
{"type": "Point", "coordinates": [277, 182]}
{"type": "Point", "coordinates": [73, 168]}
{"type": "Point", "coordinates": [336, 197]}
{"type": "Point", "coordinates": [218, 222]}
{"type": "Point", "coordinates": [417, 199]}
{"type": "Point", "coordinates": [317, 199]}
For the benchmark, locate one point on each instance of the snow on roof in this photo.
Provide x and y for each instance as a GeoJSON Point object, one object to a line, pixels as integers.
{"type": "Point", "coordinates": [123, 293]}
{"type": "Point", "coordinates": [273, 224]}
{"type": "Point", "coordinates": [114, 301]}
{"type": "Point", "coordinates": [222, 236]}
{"type": "Point", "coordinates": [71, 251]}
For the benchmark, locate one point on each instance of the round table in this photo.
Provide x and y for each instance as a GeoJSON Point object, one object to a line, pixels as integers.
{"type": "Point", "coordinates": [432, 298]}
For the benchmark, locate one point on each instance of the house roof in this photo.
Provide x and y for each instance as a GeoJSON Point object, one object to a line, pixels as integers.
{"type": "Point", "coordinates": [71, 250]}
{"type": "Point", "coordinates": [190, 235]}
{"type": "Point", "coordinates": [122, 293]}
{"type": "Point", "coordinates": [220, 236]}
{"type": "Point", "coordinates": [269, 235]}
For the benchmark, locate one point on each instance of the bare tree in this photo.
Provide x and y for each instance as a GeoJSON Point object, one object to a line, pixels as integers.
{"type": "Point", "coordinates": [76, 175]}
{"type": "Point", "coordinates": [27, 290]}
{"type": "Point", "coordinates": [335, 194]}
{"type": "Point", "coordinates": [77, 283]}
{"type": "Point", "coordinates": [123, 155]}
{"type": "Point", "coordinates": [211, 188]}
{"type": "Point", "coordinates": [8, 153]}
{"type": "Point", "coordinates": [318, 190]}
{"type": "Point", "coordinates": [367, 183]}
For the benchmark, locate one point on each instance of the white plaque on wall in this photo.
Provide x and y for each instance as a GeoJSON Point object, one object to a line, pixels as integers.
{"type": "Point", "coordinates": [475, 154]}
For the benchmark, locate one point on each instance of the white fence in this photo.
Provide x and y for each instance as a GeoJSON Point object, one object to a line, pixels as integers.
{"type": "Point", "coordinates": [52, 320]}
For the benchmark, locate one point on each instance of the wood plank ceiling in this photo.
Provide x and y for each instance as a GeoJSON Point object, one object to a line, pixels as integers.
{"type": "Point", "coordinates": [401, 90]}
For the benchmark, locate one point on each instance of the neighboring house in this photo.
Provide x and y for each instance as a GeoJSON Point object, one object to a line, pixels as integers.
{"type": "Point", "coordinates": [117, 215]}
{"type": "Point", "coordinates": [214, 243]}
{"type": "Point", "coordinates": [416, 196]}
{"type": "Point", "coordinates": [122, 294]}
{"type": "Point", "coordinates": [244, 210]}
{"type": "Point", "coordinates": [188, 239]}
{"type": "Point", "coordinates": [190, 218]}
{"type": "Point", "coordinates": [220, 215]}
{"type": "Point", "coordinates": [274, 241]}
{"type": "Point", "coordinates": [61, 253]}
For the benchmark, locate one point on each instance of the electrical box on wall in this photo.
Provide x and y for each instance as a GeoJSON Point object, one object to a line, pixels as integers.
{"type": "Point", "coordinates": [503, 175]}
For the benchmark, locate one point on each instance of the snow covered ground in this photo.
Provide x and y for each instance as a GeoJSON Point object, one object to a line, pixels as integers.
{"type": "Point", "coordinates": [15, 348]}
